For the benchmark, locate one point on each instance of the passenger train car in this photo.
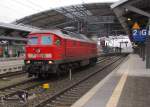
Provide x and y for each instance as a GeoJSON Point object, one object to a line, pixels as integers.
{"type": "Point", "coordinates": [57, 51]}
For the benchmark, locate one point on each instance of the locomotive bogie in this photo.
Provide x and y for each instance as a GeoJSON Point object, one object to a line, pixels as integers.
{"type": "Point", "coordinates": [53, 68]}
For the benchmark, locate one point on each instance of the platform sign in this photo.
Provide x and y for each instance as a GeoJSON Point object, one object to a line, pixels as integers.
{"type": "Point", "coordinates": [139, 35]}
{"type": "Point", "coordinates": [136, 26]}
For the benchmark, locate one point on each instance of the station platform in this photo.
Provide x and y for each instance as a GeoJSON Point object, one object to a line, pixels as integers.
{"type": "Point", "coordinates": [11, 65]}
{"type": "Point", "coordinates": [127, 86]}
{"type": "Point", "coordinates": [11, 59]}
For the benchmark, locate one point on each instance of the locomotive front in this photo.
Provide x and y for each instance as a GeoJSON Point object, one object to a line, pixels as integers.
{"type": "Point", "coordinates": [40, 54]}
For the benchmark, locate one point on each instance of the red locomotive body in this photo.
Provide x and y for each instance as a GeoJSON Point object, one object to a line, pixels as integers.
{"type": "Point", "coordinates": [56, 51]}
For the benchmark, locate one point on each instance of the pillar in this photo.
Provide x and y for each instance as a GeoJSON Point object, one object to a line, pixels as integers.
{"type": "Point", "coordinates": [148, 53]}
{"type": "Point", "coordinates": [148, 47]}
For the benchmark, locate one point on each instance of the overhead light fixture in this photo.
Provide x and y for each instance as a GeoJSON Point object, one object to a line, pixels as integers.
{"type": "Point", "coordinates": [129, 19]}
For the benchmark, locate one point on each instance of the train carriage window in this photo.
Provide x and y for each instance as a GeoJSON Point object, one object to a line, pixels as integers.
{"type": "Point", "coordinates": [46, 40]}
{"type": "Point", "coordinates": [33, 40]}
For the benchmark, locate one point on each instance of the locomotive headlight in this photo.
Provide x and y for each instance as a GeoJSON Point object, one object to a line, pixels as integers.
{"type": "Point", "coordinates": [31, 55]}
{"type": "Point", "coordinates": [50, 62]}
{"type": "Point", "coordinates": [28, 62]}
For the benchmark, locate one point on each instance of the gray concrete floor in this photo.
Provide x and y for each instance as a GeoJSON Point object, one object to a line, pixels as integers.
{"type": "Point", "coordinates": [128, 86]}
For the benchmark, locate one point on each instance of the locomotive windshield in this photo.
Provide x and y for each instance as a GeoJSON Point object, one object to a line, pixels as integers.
{"type": "Point", "coordinates": [43, 40]}
{"type": "Point", "coordinates": [46, 40]}
{"type": "Point", "coordinates": [33, 41]}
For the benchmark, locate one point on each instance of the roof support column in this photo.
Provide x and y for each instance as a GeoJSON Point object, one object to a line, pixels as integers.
{"type": "Point", "coordinates": [148, 48]}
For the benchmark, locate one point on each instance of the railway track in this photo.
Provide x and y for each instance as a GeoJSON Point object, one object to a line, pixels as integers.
{"type": "Point", "coordinates": [18, 73]}
{"type": "Point", "coordinates": [11, 74]}
{"type": "Point", "coordinates": [26, 84]}
{"type": "Point", "coordinates": [32, 86]}
{"type": "Point", "coordinates": [70, 94]}
{"type": "Point", "coordinates": [23, 85]}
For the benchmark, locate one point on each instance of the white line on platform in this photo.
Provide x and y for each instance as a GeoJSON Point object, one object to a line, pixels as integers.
{"type": "Point", "coordinates": [84, 99]}
{"type": "Point", "coordinates": [113, 101]}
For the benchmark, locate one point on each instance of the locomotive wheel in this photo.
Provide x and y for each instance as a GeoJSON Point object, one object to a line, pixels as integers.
{"type": "Point", "coordinates": [93, 61]}
{"type": "Point", "coordinates": [58, 73]}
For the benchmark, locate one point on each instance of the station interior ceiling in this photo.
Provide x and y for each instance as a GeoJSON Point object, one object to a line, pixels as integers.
{"type": "Point", "coordinates": [95, 19]}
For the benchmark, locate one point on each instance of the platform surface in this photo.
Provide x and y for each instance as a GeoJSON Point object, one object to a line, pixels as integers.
{"type": "Point", "coordinates": [127, 86]}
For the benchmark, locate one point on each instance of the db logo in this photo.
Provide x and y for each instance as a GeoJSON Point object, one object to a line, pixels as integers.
{"type": "Point", "coordinates": [37, 50]}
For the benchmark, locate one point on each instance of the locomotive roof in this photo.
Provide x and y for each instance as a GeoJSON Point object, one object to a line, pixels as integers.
{"type": "Point", "coordinates": [66, 34]}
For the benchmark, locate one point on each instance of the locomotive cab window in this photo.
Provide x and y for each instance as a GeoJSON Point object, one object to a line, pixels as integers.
{"type": "Point", "coordinates": [45, 40]}
{"type": "Point", "coordinates": [33, 40]}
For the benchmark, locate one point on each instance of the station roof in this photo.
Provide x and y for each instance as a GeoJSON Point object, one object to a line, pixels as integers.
{"type": "Point", "coordinates": [98, 16]}
{"type": "Point", "coordinates": [78, 12]}
{"type": "Point", "coordinates": [131, 11]}
{"type": "Point", "coordinates": [20, 27]}
{"type": "Point", "coordinates": [11, 10]}
{"type": "Point", "coordinates": [18, 32]}
{"type": "Point", "coordinates": [89, 19]}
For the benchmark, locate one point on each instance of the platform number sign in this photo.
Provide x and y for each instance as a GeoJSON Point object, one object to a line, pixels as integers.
{"type": "Point", "coordinates": [144, 32]}
{"type": "Point", "coordinates": [135, 32]}
{"type": "Point", "coordinates": [139, 35]}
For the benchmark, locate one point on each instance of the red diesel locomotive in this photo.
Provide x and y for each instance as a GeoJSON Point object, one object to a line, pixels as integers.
{"type": "Point", "coordinates": [57, 51]}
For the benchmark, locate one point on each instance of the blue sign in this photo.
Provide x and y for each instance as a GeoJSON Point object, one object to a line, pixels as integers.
{"type": "Point", "coordinates": [139, 35]}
